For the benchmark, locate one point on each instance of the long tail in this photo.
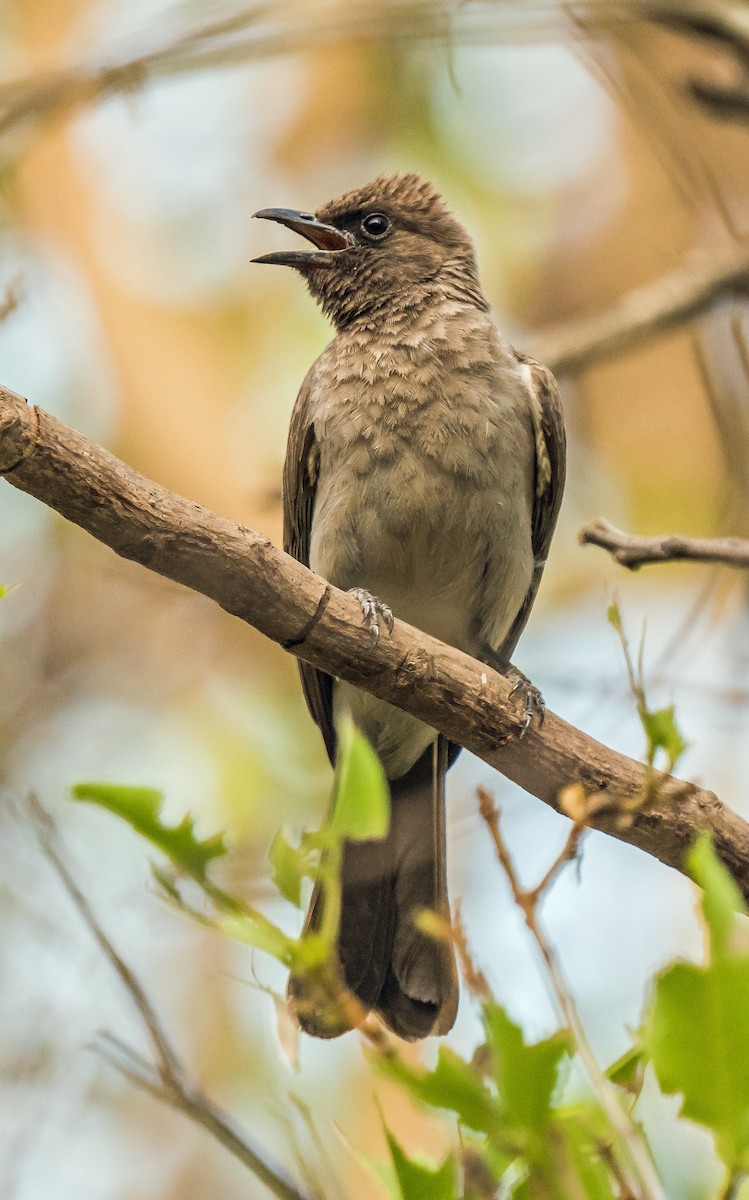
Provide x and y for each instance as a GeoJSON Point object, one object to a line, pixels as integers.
{"type": "Point", "coordinates": [393, 967]}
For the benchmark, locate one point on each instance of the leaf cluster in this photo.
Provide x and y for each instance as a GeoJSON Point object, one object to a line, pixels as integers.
{"type": "Point", "coordinates": [521, 1129]}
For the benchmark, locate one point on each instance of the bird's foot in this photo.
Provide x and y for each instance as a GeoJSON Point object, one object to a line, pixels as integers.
{"type": "Point", "coordinates": [533, 702]}
{"type": "Point", "coordinates": [372, 610]}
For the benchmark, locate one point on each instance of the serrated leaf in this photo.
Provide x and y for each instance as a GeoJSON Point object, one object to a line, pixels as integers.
{"type": "Point", "coordinates": [663, 733]}
{"type": "Point", "coordinates": [526, 1075]}
{"type": "Point", "coordinates": [453, 1084]}
{"type": "Point", "coordinates": [721, 898]}
{"type": "Point", "coordinates": [288, 863]}
{"type": "Point", "coordinates": [698, 1038]}
{"type": "Point", "coordinates": [416, 1180]}
{"type": "Point", "coordinates": [141, 808]}
{"type": "Point", "coordinates": [698, 1030]}
{"type": "Point", "coordinates": [362, 796]}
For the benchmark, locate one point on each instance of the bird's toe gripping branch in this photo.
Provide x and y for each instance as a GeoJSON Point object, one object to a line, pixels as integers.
{"type": "Point", "coordinates": [533, 702]}
{"type": "Point", "coordinates": [372, 610]}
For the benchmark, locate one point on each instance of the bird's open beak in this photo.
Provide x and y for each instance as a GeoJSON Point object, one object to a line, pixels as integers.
{"type": "Point", "coordinates": [328, 240]}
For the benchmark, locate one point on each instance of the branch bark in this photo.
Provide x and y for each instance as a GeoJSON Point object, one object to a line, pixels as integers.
{"type": "Point", "coordinates": [251, 579]}
{"type": "Point", "coordinates": [633, 552]}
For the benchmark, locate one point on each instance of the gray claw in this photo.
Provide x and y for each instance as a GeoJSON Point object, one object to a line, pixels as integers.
{"type": "Point", "coordinates": [372, 610]}
{"type": "Point", "coordinates": [533, 702]}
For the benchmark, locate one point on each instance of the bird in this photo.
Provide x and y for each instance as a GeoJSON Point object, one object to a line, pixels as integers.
{"type": "Point", "coordinates": [424, 472]}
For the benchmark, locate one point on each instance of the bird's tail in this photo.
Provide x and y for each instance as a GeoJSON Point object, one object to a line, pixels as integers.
{"type": "Point", "coordinates": [385, 959]}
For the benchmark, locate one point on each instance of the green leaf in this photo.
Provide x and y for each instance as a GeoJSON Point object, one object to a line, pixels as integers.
{"type": "Point", "coordinates": [594, 1180]}
{"type": "Point", "coordinates": [453, 1084]}
{"type": "Point", "coordinates": [614, 617]}
{"type": "Point", "coordinates": [254, 929]}
{"type": "Point", "coordinates": [628, 1070]}
{"type": "Point", "coordinates": [141, 808]}
{"type": "Point", "coordinates": [698, 1030]}
{"type": "Point", "coordinates": [418, 1181]}
{"type": "Point", "coordinates": [362, 796]}
{"type": "Point", "coordinates": [663, 733]}
{"type": "Point", "coordinates": [289, 868]}
{"type": "Point", "coordinates": [5, 588]}
{"type": "Point", "coordinates": [721, 898]}
{"type": "Point", "coordinates": [526, 1074]}
{"type": "Point", "coordinates": [698, 1037]}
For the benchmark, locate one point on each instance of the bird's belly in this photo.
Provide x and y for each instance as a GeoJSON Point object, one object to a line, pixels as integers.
{"type": "Point", "coordinates": [430, 545]}
{"type": "Point", "coordinates": [453, 560]}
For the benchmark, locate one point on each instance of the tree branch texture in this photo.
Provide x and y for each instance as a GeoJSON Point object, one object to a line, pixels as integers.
{"type": "Point", "coordinates": [632, 551]}
{"type": "Point", "coordinates": [250, 578]}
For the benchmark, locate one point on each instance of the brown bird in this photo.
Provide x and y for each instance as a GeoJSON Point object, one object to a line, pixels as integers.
{"type": "Point", "coordinates": [424, 472]}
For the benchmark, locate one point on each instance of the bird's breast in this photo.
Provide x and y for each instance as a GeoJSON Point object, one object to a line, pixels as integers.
{"type": "Point", "coordinates": [424, 494]}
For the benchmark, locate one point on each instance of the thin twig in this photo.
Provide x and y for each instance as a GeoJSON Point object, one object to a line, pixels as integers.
{"type": "Point", "coordinates": [627, 1132]}
{"type": "Point", "coordinates": [633, 552]}
{"type": "Point", "coordinates": [255, 32]}
{"type": "Point", "coordinates": [262, 31]}
{"type": "Point", "coordinates": [474, 977]}
{"type": "Point", "coordinates": [166, 1080]}
{"type": "Point", "coordinates": [168, 1062]}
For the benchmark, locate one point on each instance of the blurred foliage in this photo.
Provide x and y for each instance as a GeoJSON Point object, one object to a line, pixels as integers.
{"type": "Point", "coordinates": [523, 1130]}
{"type": "Point", "coordinates": [660, 726]}
{"type": "Point", "coordinates": [583, 169]}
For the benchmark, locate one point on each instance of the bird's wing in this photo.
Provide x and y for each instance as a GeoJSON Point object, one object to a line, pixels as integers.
{"type": "Point", "coordinates": [299, 490]}
{"type": "Point", "coordinates": [547, 416]}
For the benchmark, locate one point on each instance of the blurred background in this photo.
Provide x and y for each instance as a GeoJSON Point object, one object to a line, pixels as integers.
{"type": "Point", "coordinates": [584, 166]}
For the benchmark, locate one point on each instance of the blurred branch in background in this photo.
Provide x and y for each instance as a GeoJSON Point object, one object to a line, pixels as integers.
{"type": "Point", "coordinates": [167, 1079]}
{"type": "Point", "coordinates": [466, 700]}
{"type": "Point", "coordinates": [268, 30]}
{"type": "Point", "coordinates": [668, 303]}
{"type": "Point", "coordinates": [724, 23]}
{"type": "Point", "coordinates": [632, 551]}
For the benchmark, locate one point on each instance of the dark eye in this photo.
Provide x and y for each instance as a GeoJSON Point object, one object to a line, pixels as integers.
{"type": "Point", "coordinates": [375, 226]}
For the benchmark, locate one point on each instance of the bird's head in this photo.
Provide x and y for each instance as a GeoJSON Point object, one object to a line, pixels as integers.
{"type": "Point", "coordinates": [389, 241]}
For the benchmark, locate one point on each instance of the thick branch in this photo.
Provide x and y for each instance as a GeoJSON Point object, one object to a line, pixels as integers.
{"type": "Point", "coordinates": [656, 308]}
{"type": "Point", "coordinates": [250, 578]}
{"type": "Point", "coordinates": [634, 552]}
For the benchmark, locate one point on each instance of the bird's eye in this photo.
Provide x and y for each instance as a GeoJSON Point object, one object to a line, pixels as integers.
{"type": "Point", "coordinates": [375, 226]}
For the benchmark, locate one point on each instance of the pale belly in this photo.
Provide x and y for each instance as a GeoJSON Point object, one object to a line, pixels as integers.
{"type": "Point", "coordinates": [453, 559]}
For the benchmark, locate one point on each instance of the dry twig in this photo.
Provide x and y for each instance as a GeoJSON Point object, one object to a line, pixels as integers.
{"type": "Point", "coordinates": [639, 1161]}
{"type": "Point", "coordinates": [634, 552]}
{"type": "Point", "coordinates": [166, 1080]}
{"type": "Point", "coordinates": [253, 580]}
